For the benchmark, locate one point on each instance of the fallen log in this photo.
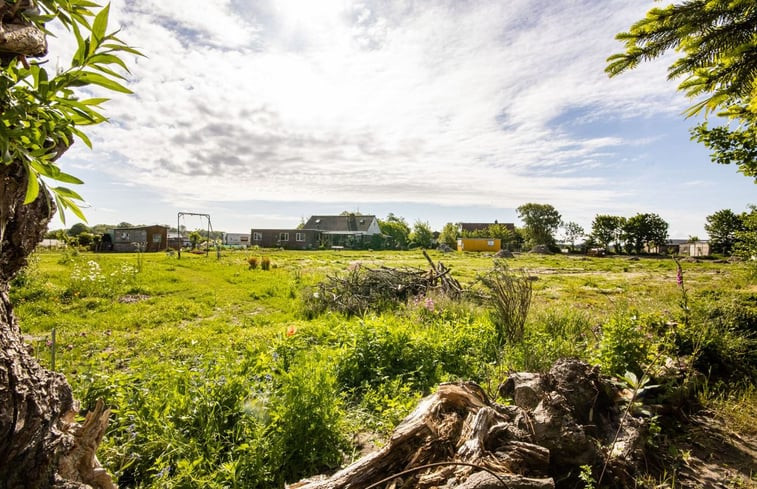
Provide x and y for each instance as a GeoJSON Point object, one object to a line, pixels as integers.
{"type": "Point", "coordinates": [458, 437]}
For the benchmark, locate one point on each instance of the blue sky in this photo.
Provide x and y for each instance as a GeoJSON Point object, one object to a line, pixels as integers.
{"type": "Point", "coordinates": [263, 113]}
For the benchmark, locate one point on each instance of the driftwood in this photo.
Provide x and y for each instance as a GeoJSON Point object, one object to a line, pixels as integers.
{"type": "Point", "coordinates": [458, 437]}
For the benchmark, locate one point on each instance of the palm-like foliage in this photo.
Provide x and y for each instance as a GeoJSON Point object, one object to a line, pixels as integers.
{"type": "Point", "coordinates": [717, 42]}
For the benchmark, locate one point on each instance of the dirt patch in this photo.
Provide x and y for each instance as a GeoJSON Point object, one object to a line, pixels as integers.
{"type": "Point", "coordinates": [132, 298]}
{"type": "Point", "coordinates": [707, 455]}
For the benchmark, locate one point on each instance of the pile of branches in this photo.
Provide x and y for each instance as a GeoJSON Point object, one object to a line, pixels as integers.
{"type": "Point", "coordinates": [364, 289]}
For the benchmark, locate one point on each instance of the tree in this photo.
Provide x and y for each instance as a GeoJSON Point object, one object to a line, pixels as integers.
{"type": "Point", "coordinates": [717, 59]}
{"type": "Point", "coordinates": [573, 231]}
{"type": "Point", "coordinates": [642, 230]}
{"type": "Point", "coordinates": [449, 235]}
{"type": "Point", "coordinates": [397, 230]}
{"type": "Point", "coordinates": [746, 238]}
{"type": "Point", "coordinates": [722, 227]}
{"type": "Point", "coordinates": [78, 228]}
{"type": "Point", "coordinates": [606, 229]}
{"type": "Point", "coordinates": [41, 114]}
{"type": "Point", "coordinates": [540, 223]}
{"type": "Point", "coordinates": [422, 236]}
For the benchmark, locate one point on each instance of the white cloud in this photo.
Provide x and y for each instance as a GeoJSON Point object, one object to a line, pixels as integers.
{"type": "Point", "coordinates": [373, 102]}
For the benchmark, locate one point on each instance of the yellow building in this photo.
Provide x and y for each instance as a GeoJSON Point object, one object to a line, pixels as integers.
{"type": "Point", "coordinates": [479, 244]}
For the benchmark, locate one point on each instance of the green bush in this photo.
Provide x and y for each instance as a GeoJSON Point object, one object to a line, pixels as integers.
{"type": "Point", "coordinates": [550, 335]}
{"type": "Point", "coordinates": [210, 423]}
{"type": "Point", "coordinates": [625, 344]}
{"type": "Point", "coordinates": [379, 352]}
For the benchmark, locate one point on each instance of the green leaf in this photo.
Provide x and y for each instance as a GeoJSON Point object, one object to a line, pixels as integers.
{"type": "Point", "coordinates": [61, 207]}
{"type": "Point", "coordinates": [83, 137]}
{"type": "Point", "coordinates": [121, 47]}
{"type": "Point", "coordinates": [65, 177]}
{"type": "Point", "coordinates": [74, 208]}
{"type": "Point", "coordinates": [32, 186]}
{"type": "Point", "coordinates": [100, 24]}
{"type": "Point", "coordinates": [68, 193]}
{"type": "Point", "coordinates": [94, 78]}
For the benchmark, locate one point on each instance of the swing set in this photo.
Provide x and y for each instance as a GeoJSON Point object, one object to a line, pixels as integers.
{"type": "Point", "coordinates": [179, 217]}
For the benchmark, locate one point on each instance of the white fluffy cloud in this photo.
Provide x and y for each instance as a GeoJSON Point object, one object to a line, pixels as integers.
{"type": "Point", "coordinates": [365, 101]}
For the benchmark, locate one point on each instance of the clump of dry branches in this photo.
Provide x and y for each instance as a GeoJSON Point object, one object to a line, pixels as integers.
{"type": "Point", "coordinates": [363, 289]}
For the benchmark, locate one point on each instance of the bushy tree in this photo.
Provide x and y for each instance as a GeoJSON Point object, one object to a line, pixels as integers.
{"type": "Point", "coordinates": [606, 230]}
{"type": "Point", "coordinates": [449, 235]}
{"type": "Point", "coordinates": [540, 223]}
{"type": "Point", "coordinates": [717, 59]}
{"type": "Point", "coordinates": [642, 230]}
{"type": "Point", "coordinates": [422, 235]}
{"type": "Point", "coordinates": [722, 227]}
{"type": "Point", "coordinates": [397, 230]}
{"type": "Point", "coordinates": [746, 238]}
{"type": "Point", "coordinates": [78, 229]}
{"type": "Point", "coordinates": [572, 231]}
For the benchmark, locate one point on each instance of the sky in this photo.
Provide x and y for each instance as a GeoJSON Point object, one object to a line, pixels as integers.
{"type": "Point", "coordinates": [262, 113]}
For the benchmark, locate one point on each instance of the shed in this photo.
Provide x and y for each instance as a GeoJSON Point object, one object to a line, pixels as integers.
{"type": "Point", "coordinates": [479, 244]}
{"type": "Point", "coordinates": [150, 238]}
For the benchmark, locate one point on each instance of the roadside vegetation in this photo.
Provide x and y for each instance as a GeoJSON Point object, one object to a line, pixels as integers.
{"type": "Point", "coordinates": [224, 374]}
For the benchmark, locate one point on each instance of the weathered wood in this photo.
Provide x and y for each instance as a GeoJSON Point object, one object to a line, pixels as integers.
{"type": "Point", "coordinates": [80, 463]}
{"type": "Point", "coordinates": [24, 39]}
{"type": "Point", "coordinates": [458, 438]}
{"type": "Point", "coordinates": [484, 480]}
{"type": "Point", "coordinates": [36, 406]}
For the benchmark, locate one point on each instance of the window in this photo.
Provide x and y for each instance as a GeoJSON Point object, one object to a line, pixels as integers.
{"type": "Point", "coordinates": [490, 242]}
{"type": "Point", "coordinates": [283, 236]}
{"type": "Point", "coordinates": [257, 236]}
{"type": "Point", "coordinates": [300, 237]}
{"type": "Point", "coordinates": [156, 238]}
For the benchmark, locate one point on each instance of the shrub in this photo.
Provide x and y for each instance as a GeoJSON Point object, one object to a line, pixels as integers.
{"type": "Point", "coordinates": [265, 263]}
{"type": "Point", "coordinates": [625, 344]}
{"type": "Point", "coordinates": [509, 294]}
{"type": "Point", "coordinates": [381, 352]}
{"type": "Point", "coordinates": [252, 262]}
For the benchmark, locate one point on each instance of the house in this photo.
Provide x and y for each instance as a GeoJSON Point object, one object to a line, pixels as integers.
{"type": "Point", "coordinates": [290, 239]}
{"type": "Point", "coordinates": [479, 244]}
{"type": "Point", "coordinates": [144, 238]}
{"type": "Point", "coordinates": [349, 231]}
{"type": "Point", "coordinates": [236, 239]}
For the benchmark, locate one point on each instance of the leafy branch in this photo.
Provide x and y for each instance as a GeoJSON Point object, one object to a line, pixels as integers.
{"type": "Point", "coordinates": [42, 112]}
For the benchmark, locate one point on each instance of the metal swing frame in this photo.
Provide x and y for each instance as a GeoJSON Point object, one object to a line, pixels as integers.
{"type": "Point", "coordinates": [178, 230]}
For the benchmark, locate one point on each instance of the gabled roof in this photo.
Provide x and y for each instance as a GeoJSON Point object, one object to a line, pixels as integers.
{"type": "Point", "coordinates": [482, 226]}
{"type": "Point", "coordinates": [345, 224]}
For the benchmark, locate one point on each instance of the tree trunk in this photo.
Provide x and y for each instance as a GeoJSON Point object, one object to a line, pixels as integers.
{"type": "Point", "coordinates": [38, 434]}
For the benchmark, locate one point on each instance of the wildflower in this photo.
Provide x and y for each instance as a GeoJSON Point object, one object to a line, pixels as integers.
{"type": "Point", "coordinates": [291, 330]}
{"type": "Point", "coordinates": [679, 277]}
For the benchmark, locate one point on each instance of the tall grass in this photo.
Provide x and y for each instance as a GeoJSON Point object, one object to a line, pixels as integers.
{"type": "Point", "coordinates": [218, 378]}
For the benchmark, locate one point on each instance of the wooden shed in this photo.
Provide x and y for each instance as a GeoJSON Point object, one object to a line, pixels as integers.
{"type": "Point", "coordinates": [150, 238]}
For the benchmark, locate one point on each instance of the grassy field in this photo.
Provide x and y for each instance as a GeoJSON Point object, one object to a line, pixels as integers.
{"type": "Point", "coordinates": [218, 376]}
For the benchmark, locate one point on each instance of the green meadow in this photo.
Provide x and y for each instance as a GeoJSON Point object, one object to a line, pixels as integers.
{"type": "Point", "coordinates": [218, 375]}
